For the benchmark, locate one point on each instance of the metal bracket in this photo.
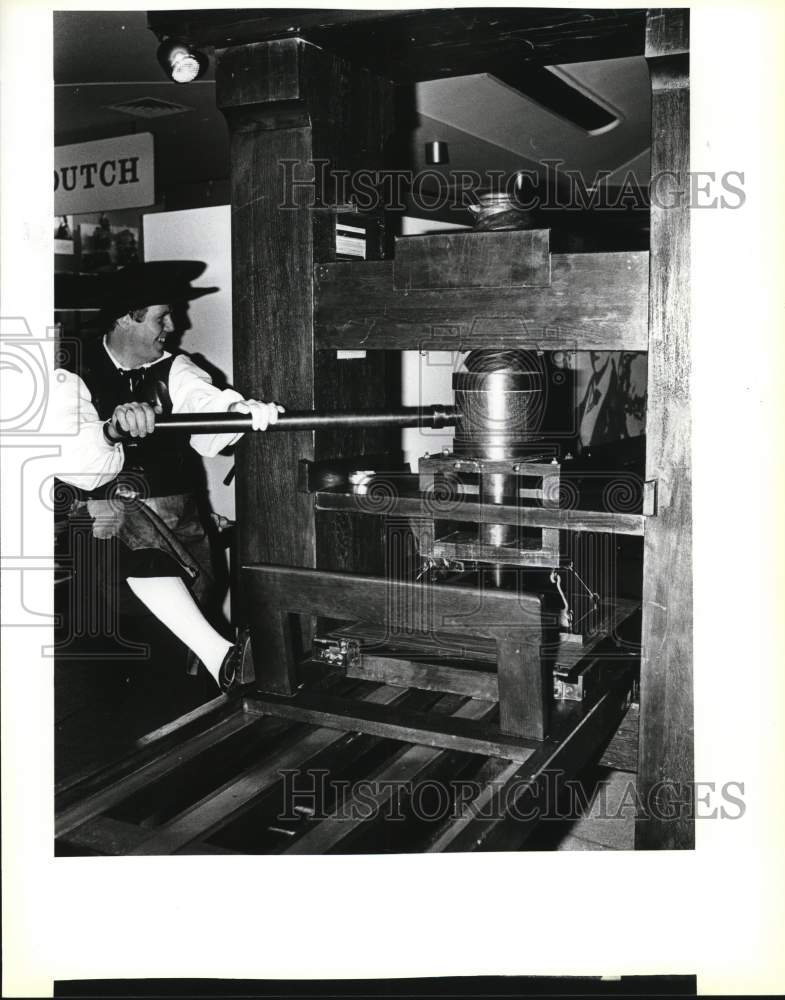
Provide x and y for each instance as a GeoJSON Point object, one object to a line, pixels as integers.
{"type": "Point", "coordinates": [650, 498]}
{"type": "Point", "coordinates": [577, 685]}
{"type": "Point", "coordinates": [337, 652]}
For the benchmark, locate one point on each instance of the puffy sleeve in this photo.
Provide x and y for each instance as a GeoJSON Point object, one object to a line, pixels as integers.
{"type": "Point", "coordinates": [192, 391]}
{"type": "Point", "coordinates": [87, 460]}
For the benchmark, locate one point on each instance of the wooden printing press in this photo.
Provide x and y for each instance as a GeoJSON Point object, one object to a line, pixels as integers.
{"type": "Point", "coordinates": [457, 636]}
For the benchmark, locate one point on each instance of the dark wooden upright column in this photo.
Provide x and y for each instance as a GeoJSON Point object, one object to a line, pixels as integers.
{"type": "Point", "coordinates": [288, 104]}
{"type": "Point", "coordinates": [666, 740]}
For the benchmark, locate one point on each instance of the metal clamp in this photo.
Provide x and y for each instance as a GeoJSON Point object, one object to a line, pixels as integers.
{"type": "Point", "coordinates": [337, 652]}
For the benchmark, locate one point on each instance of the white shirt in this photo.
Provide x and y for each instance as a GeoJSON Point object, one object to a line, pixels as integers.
{"type": "Point", "coordinates": [88, 460]}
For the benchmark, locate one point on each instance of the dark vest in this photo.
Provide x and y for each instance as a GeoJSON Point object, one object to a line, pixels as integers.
{"type": "Point", "coordinates": [161, 464]}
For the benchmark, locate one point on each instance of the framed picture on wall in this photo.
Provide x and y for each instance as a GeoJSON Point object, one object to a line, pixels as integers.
{"type": "Point", "coordinates": [64, 234]}
{"type": "Point", "coordinates": [104, 247]}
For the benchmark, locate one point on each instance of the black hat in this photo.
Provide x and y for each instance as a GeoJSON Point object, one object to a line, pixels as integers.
{"type": "Point", "coordinates": [157, 282]}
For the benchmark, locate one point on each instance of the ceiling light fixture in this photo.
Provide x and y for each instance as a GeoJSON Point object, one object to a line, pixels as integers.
{"type": "Point", "coordinates": [180, 61]}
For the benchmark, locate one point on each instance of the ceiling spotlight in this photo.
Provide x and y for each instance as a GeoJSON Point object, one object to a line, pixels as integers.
{"type": "Point", "coordinates": [180, 61]}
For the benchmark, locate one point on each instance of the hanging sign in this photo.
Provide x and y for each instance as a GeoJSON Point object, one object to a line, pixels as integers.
{"type": "Point", "coordinates": [105, 174]}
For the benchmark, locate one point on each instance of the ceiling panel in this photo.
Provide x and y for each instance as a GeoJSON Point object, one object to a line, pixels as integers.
{"type": "Point", "coordinates": [495, 114]}
{"type": "Point", "coordinates": [105, 57]}
{"type": "Point", "coordinates": [191, 146]}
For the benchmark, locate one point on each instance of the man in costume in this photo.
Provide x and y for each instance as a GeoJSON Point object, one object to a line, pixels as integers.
{"type": "Point", "coordinates": [137, 490]}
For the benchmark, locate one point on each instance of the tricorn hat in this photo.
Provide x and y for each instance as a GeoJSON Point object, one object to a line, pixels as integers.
{"type": "Point", "coordinates": [157, 282]}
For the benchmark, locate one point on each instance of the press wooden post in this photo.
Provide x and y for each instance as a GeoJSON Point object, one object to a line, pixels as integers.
{"type": "Point", "coordinates": [666, 736]}
{"type": "Point", "coordinates": [525, 688]}
{"type": "Point", "coordinates": [289, 104]}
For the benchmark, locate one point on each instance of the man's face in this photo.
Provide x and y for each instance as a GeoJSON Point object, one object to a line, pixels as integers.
{"type": "Point", "coordinates": [146, 338]}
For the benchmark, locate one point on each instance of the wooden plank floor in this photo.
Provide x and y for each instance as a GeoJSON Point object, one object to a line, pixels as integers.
{"type": "Point", "coordinates": [203, 777]}
{"type": "Point", "coordinates": [605, 823]}
{"type": "Point", "coordinates": [223, 788]}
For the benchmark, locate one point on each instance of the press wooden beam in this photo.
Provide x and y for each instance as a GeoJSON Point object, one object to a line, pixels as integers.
{"type": "Point", "coordinates": [589, 302]}
{"type": "Point", "coordinates": [426, 729]}
{"type": "Point", "coordinates": [513, 620]}
{"type": "Point", "coordinates": [608, 522]}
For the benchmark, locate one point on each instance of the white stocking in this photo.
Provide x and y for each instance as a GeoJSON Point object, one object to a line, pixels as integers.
{"type": "Point", "coordinates": [171, 602]}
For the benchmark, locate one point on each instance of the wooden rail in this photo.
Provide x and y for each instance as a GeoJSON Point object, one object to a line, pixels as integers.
{"type": "Point", "coordinates": [466, 510]}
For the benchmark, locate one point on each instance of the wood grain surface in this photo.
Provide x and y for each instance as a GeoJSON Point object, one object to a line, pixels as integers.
{"type": "Point", "coordinates": [666, 714]}
{"type": "Point", "coordinates": [595, 302]}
